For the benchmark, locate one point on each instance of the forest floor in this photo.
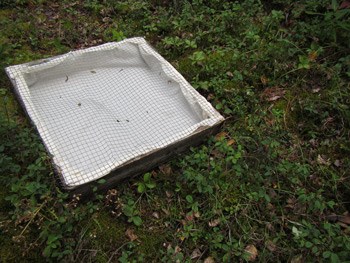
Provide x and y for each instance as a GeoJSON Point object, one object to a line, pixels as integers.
{"type": "Point", "coordinates": [272, 186]}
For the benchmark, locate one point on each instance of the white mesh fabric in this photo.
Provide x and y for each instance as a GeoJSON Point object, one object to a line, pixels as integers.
{"type": "Point", "coordinates": [100, 107]}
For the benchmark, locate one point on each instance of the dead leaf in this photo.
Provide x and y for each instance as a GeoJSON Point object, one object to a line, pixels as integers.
{"type": "Point", "coordinates": [210, 96]}
{"type": "Point", "coordinates": [196, 253]}
{"type": "Point", "coordinates": [168, 194]}
{"type": "Point", "coordinates": [273, 93]}
{"type": "Point", "coordinates": [327, 121]}
{"type": "Point", "coordinates": [344, 4]}
{"type": "Point", "coordinates": [322, 160]}
{"type": "Point", "coordinates": [189, 217]}
{"type": "Point", "coordinates": [229, 73]}
{"type": "Point", "coordinates": [270, 207]}
{"type": "Point", "coordinates": [343, 225]}
{"type": "Point", "coordinates": [209, 260]}
{"type": "Point", "coordinates": [252, 251]}
{"type": "Point", "coordinates": [166, 211]}
{"type": "Point", "coordinates": [270, 122]}
{"type": "Point", "coordinates": [130, 234]}
{"type": "Point", "coordinates": [345, 219]}
{"type": "Point", "coordinates": [312, 55]}
{"type": "Point", "coordinates": [337, 163]}
{"type": "Point", "coordinates": [216, 153]}
{"type": "Point", "coordinates": [271, 246]}
{"type": "Point", "coordinates": [220, 135]}
{"type": "Point", "coordinates": [177, 249]}
{"type": "Point", "coordinates": [230, 142]}
{"type": "Point", "coordinates": [165, 169]}
{"type": "Point", "coordinates": [264, 80]}
{"type": "Point", "coordinates": [314, 143]}
{"type": "Point", "coordinates": [214, 222]}
{"type": "Point", "coordinates": [272, 192]}
{"type": "Point", "coordinates": [270, 227]}
{"type": "Point", "coordinates": [274, 98]}
{"type": "Point", "coordinates": [297, 259]}
{"type": "Point", "coordinates": [290, 203]}
{"type": "Point", "coordinates": [155, 215]}
{"type": "Point", "coordinates": [316, 90]}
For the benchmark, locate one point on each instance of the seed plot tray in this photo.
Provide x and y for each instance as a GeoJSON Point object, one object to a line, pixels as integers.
{"type": "Point", "coordinates": [111, 111]}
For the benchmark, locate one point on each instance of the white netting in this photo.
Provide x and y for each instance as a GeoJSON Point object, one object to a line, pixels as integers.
{"type": "Point", "coordinates": [100, 107]}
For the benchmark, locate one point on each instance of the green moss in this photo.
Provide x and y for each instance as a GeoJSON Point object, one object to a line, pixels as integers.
{"type": "Point", "coordinates": [8, 105]}
{"type": "Point", "coordinates": [105, 235]}
{"type": "Point", "coordinates": [4, 40]}
{"type": "Point", "coordinates": [150, 242]}
{"type": "Point", "coordinates": [186, 68]}
{"type": "Point", "coordinates": [4, 205]}
{"type": "Point", "coordinates": [5, 14]}
{"type": "Point", "coordinates": [10, 251]}
{"type": "Point", "coordinates": [217, 61]}
{"type": "Point", "coordinates": [7, 250]}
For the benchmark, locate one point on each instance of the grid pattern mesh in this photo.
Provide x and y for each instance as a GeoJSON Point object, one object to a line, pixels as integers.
{"type": "Point", "coordinates": [100, 107]}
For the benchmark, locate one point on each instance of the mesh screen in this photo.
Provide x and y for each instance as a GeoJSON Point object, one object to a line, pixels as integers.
{"type": "Point", "coordinates": [98, 108]}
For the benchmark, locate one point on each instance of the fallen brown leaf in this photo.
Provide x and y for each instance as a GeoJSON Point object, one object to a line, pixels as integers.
{"type": "Point", "coordinates": [220, 135]}
{"type": "Point", "coordinates": [337, 163]}
{"type": "Point", "coordinates": [130, 234]}
{"type": "Point", "coordinates": [270, 227]}
{"type": "Point", "coordinates": [322, 160]}
{"type": "Point", "coordinates": [155, 215]}
{"type": "Point", "coordinates": [214, 222]}
{"type": "Point", "coordinates": [165, 169]}
{"type": "Point", "coordinates": [252, 251]}
{"type": "Point", "coordinates": [166, 211]}
{"type": "Point", "coordinates": [316, 89]}
{"type": "Point", "coordinates": [273, 93]}
{"type": "Point", "coordinates": [344, 4]}
{"type": "Point", "coordinates": [264, 80]}
{"type": "Point", "coordinates": [177, 249]}
{"type": "Point", "coordinates": [312, 55]}
{"type": "Point", "coordinates": [290, 203]}
{"type": "Point", "coordinates": [189, 217]}
{"type": "Point", "coordinates": [196, 253]}
{"type": "Point", "coordinates": [345, 219]}
{"type": "Point", "coordinates": [216, 153]}
{"type": "Point", "coordinates": [230, 142]}
{"type": "Point", "coordinates": [271, 246]}
{"type": "Point", "coordinates": [209, 260]}
{"type": "Point", "coordinates": [270, 206]}
{"type": "Point", "coordinates": [273, 98]}
{"type": "Point", "coordinates": [210, 96]}
{"type": "Point", "coordinates": [346, 226]}
{"type": "Point", "coordinates": [297, 259]}
{"type": "Point", "coordinates": [168, 194]}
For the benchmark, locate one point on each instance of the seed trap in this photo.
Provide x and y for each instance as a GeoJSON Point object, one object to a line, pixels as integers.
{"type": "Point", "coordinates": [111, 111]}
